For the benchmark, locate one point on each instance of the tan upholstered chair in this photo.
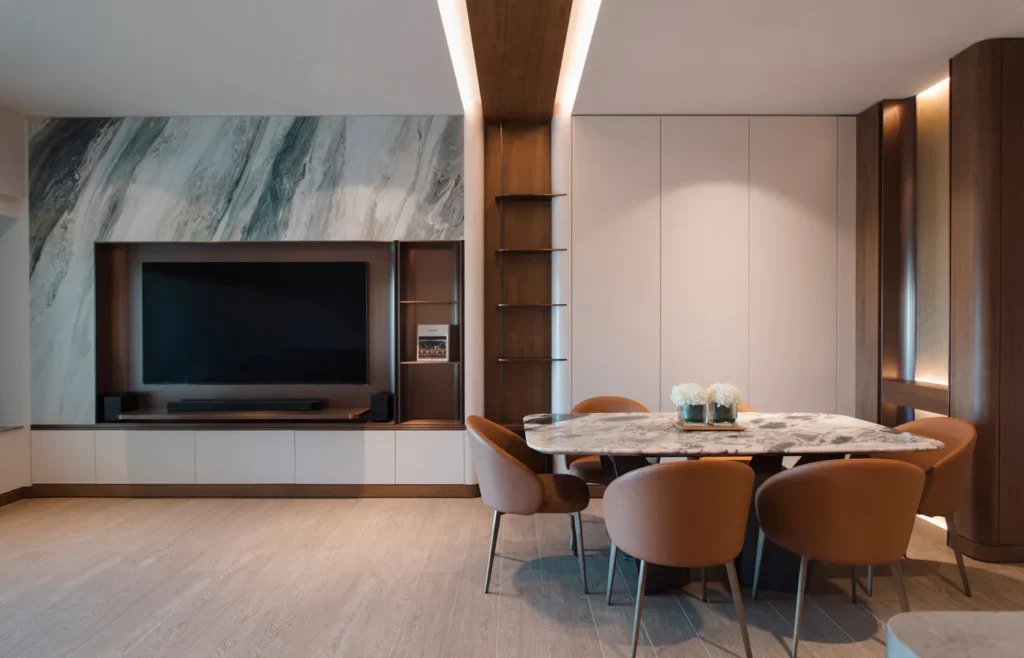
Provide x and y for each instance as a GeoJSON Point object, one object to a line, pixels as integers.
{"type": "Point", "coordinates": [682, 514]}
{"type": "Point", "coordinates": [857, 512]}
{"type": "Point", "coordinates": [947, 472]}
{"type": "Point", "coordinates": [588, 467]}
{"type": "Point", "coordinates": [507, 470]}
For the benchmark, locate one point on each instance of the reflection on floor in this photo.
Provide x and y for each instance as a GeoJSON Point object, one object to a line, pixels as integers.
{"type": "Point", "coordinates": [299, 578]}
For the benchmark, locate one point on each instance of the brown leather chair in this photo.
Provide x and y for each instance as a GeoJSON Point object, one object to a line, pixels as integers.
{"type": "Point", "coordinates": [857, 512]}
{"type": "Point", "coordinates": [946, 471]}
{"type": "Point", "coordinates": [681, 514]}
{"type": "Point", "coordinates": [588, 467]}
{"type": "Point", "coordinates": [507, 470]}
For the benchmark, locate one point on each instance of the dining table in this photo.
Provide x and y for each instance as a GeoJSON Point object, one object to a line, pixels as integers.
{"type": "Point", "coordinates": [628, 441]}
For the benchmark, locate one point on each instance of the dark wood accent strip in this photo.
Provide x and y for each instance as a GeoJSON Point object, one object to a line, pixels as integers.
{"type": "Point", "coordinates": [360, 427]}
{"type": "Point", "coordinates": [869, 140]}
{"type": "Point", "coordinates": [14, 495]}
{"type": "Point", "coordinates": [518, 47]}
{"type": "Point", "coordinates": [975, 285]}
{"type": "Point", "coordinates": [916, 395]}
{"type": "Point", "coordinates": [898, 249]}
{"type": "Point", "coordinates": [528, 197]}
{"type": "Point", "coordinates": [252, 491]}
{"type": "Point", "coordinates": [989, 553]}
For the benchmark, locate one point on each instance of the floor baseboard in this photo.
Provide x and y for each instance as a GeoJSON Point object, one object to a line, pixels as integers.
{"type": "Point", "coordinates": [252, 491]}
{"type": "Point", "coordinates": [14, 495]}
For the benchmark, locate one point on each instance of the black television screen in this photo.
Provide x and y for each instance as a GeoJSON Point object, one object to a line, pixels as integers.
{"type": "Point", "coordinates": [254, 323]}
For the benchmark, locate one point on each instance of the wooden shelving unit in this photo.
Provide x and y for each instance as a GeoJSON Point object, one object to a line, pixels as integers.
{"type": "Point", "coordinates": [518, 271]}
{"type": "Point", "coordinates": [429, 291]}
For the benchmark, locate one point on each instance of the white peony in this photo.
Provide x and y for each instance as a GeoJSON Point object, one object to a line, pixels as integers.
{"type": "Point", "coordinates": [689, 393]}
{"type": "Point", "coordinates": [725, 395]}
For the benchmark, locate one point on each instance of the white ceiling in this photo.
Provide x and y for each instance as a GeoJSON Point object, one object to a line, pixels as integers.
{"type": "Point", "coordinates": [778, 56]}
{"type": "Point", "coordinates": [201, 57]}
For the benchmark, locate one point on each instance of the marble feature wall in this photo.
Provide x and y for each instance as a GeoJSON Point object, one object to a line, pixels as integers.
{"type": "Point", "coordinates": [213, 179]}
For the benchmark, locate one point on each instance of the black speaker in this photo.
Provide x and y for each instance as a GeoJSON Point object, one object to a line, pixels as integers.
{"type": "Point", "coordinates": [115, 405]}
{"type": "Point", "coordinates": [382, 407]}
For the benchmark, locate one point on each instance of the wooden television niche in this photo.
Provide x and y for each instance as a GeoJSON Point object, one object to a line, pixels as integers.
{"type": "Point", "coordinates": [408, 284]}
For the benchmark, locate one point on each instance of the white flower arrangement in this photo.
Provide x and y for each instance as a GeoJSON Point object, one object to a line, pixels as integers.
{"type": "Point", "coordinates": [689, 393]}
{"type": "Point", "coordinates": [725, 395]}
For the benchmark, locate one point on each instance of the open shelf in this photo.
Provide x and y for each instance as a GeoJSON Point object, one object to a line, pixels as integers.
{"type": "Point", "coordinates": [531, 305]}
{"type": "Point", "coordinates": [530, 359]}
{"type": "Point", "coordinates": [427, 301]}
{"type": "Point", "coordinates": [430, 363]}
{"type": "Point", "coordinates": [530, 251]}
{"type": "Point", "coordinates": [432, 424]}
{"type": "Point", "coordinates": [527, 196]}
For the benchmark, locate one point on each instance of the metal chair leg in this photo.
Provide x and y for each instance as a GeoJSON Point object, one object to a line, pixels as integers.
{"type": "Point", "coordinates": [801, 585]}
{"type": "Point", "coordinates": [490, 552]}
{"type": "Point", "coordinates": [579, 545]}
{"type": "Point", "coordinates": [853, 584]}
{"type": "Point", "coordinates": [757, 564]}
{"type": "Point", "coordinates": [737, 599]}
{"type": "Point", "coordinates": [572, 535]}
{"type": "Point", "coordinates": [639, 606]}
{"type": "Point", "coordinates": [901, 591]}
{"type": "Point", "coordinates": [611, 572]}
{"type": "Point", "coordinates": [954, 543]}
{"type": "Point", "coordinates": [704, 585]}
{"type": "Point", "coordinates": [871, 580]}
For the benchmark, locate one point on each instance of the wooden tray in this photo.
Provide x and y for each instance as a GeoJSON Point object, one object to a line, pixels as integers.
{"type": "Point", "coordinates": [721, 427]}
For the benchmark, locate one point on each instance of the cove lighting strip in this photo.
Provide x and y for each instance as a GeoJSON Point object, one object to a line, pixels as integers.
{"type": "Point", "coordinates": [582, 19]}
{"type": "Point", "coordinates": [455, 19]}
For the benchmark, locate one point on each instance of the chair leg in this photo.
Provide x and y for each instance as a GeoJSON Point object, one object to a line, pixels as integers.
{"type": "Point", "coordinates": [757, 564]}
{"type": "Point", "coordinates": [704, 584]}
{"type": "Point", "coordinates": [901, 591]}
{"type": "Point", "coordinates": [579, 545]}
{"type": "Point", "coordinates": [737, 599]}
{"type": "Point", "coordinates": [871, 580]}
{"type": "Point", "coordinates": [490, 552]}
{"type": "Point", "coordinates": [639, 606]}
{"type": "Point", "coordinates": [572, 534]}
{"type": "Point", "coordinates": [853, 584]}
{"type": "Point", "coordinates": [611, 572]}
{"type": "Point", "coordinates": [954, 543]}
{"type": "Point", "coordinates": [801, 585]}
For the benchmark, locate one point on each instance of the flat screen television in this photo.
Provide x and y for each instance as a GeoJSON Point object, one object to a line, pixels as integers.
{"type": "Point", "coordinates": [254, 323]}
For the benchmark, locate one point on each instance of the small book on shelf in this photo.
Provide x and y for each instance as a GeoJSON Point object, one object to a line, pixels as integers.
{"type": "Point", "coordinates": [433, 342]}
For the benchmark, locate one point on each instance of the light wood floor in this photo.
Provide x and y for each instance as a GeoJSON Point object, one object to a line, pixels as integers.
{"type": "Point", "coordinates": [298, 578]}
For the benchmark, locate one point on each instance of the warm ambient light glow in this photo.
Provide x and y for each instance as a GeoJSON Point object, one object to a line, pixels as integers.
{"type": "Point", "coordinates": [935, 88]}
{"type": "Point", "coordinates": [455, 18]}
{"type": "Point", "coordinates": [582, 19]}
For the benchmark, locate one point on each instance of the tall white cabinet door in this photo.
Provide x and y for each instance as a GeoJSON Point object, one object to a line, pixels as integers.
{"type": "Point", "coordinates": [615, 258]}
{"type": "Point", "coordinates": [793, 238]}
{"type": "Point", "coordinates": [705, 199]}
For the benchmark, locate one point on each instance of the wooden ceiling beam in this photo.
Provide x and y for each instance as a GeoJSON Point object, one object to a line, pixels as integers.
{"type": "Point", "coordinates": [518, 46]}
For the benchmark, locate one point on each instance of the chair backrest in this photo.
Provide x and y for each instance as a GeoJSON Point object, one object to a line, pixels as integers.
{"type": "Point", "coordinates": [948, 470]}
{"type": "Point", "coordinates": [744, 408]}
{"type": "Point", "coordinates": [505, 468]}
{"type": "Point", "coordinates": [851, 511]}
{"type": "Point", "coordinates": [681, 514]}
{"type": "Point", "coordinates": [609, 404]}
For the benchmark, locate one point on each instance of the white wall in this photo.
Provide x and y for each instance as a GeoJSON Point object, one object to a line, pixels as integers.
{"type": "Point", "coordinates": [714, 249]}
{"type": "Point", "coordinates": [14, 304]}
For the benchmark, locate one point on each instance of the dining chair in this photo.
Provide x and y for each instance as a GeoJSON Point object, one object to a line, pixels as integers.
{"type": "Point", "coordinates": [856, 512]}
{"type": "Point", "coordinates": [507, 471]}
{"type": "Point", "coordinates": [680, 514]}
{"type": "Point", "coordinates": [588, 467]}
{"type": "Point", "coordinates": [946, 471]}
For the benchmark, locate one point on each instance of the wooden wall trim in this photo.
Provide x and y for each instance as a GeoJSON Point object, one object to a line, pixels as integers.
{"type": "Point", "coordinates": [898, 249]}
{"type": "Point", "coordinates": [252, 491]}
{"type": "Point", "coordinates": [518, 46]}
{"type": "Point", "coordinates": [990, 553]}
{"type": "Point", "coordinates": [916, 395]}
{"type": "Point", "coordinates": [869, 141]}
{"type": "Point", "coordinates": [14, 495]}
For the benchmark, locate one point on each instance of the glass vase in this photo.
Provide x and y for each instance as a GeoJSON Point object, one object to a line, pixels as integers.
{"type": "Point", "coordinates": [693, 414]}
{"type": "Point", "coordinates": [724, 413]}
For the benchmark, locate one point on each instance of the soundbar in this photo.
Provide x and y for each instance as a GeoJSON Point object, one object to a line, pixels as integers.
{"type": "Point", "coordinates": [193, 406]}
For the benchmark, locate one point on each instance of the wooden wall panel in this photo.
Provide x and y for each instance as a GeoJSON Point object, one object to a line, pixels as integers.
{"type": "Point", "coordinates": [705, 221]}
{"type": "Point", "coordinates": [793, 237]}
{"type": "Point", "coordinates": [869, 143]}
{"type": "Point", "coordinates": [975, 285]}
{"type": "Point", "coordinates": [492, 271]}
{"type": "Point", "coordinates": [615, 246]}
{"type": "Point", "coordinates": [518, 47]}
{"type": "Point", "coordinates": [1011, 291]}
{"type": "Point", "coordinates": [898, 250]}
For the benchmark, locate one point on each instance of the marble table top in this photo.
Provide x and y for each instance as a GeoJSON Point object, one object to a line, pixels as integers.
{"type": "Point", "coordinates": [766, 434]}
